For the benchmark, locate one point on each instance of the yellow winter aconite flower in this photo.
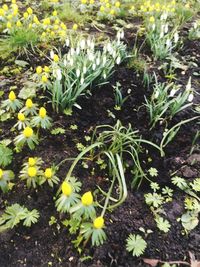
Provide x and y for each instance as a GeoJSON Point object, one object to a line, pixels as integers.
{"type": "Point", "coordinates": [102, 8]}
{"type": "Point", "coordinates": [31, 161]}
{"type": "Point", "coordinates": [39, 70]}
{"type": "Point", "coordinates": [29, 103]}
{"type": "Point", "coordinates": [1, 173]}
{"type": "Point", "coordinates": [35, 20]}
{"type": "Point", "coordinates": [18, 23]}
{"type": "Point", "coordinates": [112, 12]}
{"type": "Point", "coordinates": [75, 27]}
{"type": "Point", "coordinates": [66, 188]}
{"type": "Point", "coordinates": [98, 223]}
{"type": "Point", "coordinates": [21, 117]}
{"type": "Point", "coordinates": [42, 112]}
{"type": "Point", "coordinates": [117, 4]}
{"type": "Point", "coordinates": [12, 96]}
{"type": "Point", "coordinates": [13, 1]}
{"type": "Point", "coordinates": [48, 173]}
{"type": "Point", "coordinates": [63, 26]}
{"type": "Point", "coordinates": [46, 69]}
{"type": "Point", "coordinates": [87, 199]}
{"type": "Point", "coordinates": [32, 171]}
{"type": "Point", "coordinates": [91, 2]}
{"type": "Point", "coordinates": [152, 19]}
{"type": "Point", "coordinates": [28, 132]}
{"type": "Point", "coordinates": [47, 21]}
{"type": "Point", "coordinates": [25, 15]}
{"type": "Point", "coordinates": [9, 25]}
{"type": "Point", "coordinates": [54, 13]}
{"type": "Point", "coordinates": [44, 79]}
{"type": "Point", "coordinates": [5, 7]}
{"type": "Point", "coordinates": [84, 2]}
{"type": "Point", "coordinates": [2, 12]}
{"type": "Point", "coordinates": [29, 10]}
{"type": "Point", "coordinates": [55, 58]}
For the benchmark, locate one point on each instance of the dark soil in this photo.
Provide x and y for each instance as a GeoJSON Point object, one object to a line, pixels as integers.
{"type": "Point", "coordinates": [44, 245]}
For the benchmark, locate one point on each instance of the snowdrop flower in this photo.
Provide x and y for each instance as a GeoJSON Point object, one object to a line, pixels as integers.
{"type": "Point", "coordinates": [176, 37]}
{"type": "Point", "coordinates": [104, 75]}
{"type": "Point", "coordinates": [122, 34]}
{"type": "Point", "coordinates": [195, 25]}
{"type": "Point", "coordinates": [172, 93]}
{"type": "Point", "coordinates": [71, 62]}
{"type": "Point", "coordinates": [98, 61]}
{"type": "Point", "coordinates": [67, 42]}
{"type": "Point", "coordinates": [190, 97]}
{"type": "Point", "coordinates": [82, 80]}
{"type": "Point", "coordinates": [58, 74]}
{"type": "Point", "coordinates": [118, 60]}
{"type": "Point", "coordinates": [156, 94]}
{"type": "Point", "coordinates": [84, 70]}
{"type": "Point", "coordinates": [153, 27]}
{"type": "Point", "coordinates": [118, 35]}
{"type": "Point", "coordinates": [94, 66]}
{"type": "Point", "coordinates": [168, 43]}
{"type": "Point", "coordinates": [82, 44]}
{"type": "Point", "coordinates": [109, 47]}
{"type": "Point", "coordinates": [72, 52]}
{"type": "Point", "coordinates": [91, 57]}
{"type": "Point", "coordinates": [77, 50]}
{"type": "Point", "coordinates": [161, 34]}
{"type": "Point", "coordinates": [78, 72]}
{"type": "Point", "coordinates": [51, 54]}
{"type": "Point", "coordinates": [166, 28]}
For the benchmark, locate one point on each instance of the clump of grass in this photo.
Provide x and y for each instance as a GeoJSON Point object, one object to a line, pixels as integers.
{"type": "Point", "coordinates": [20, 41]}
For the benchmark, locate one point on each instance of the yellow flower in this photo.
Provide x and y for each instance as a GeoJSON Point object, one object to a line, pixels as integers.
{"type": "Point", "coordinates": [84, 2]}
{"type": "Point", "coordinates": [46, 69]}
{"type": "Point", "coordinates": [42, 113]}
{"type": "Point", "coordinates": [57, 21]}
{"type": "Point", "coordinates": [32, 171]}
{"type": "Point", "coordinates": [87, 199]}
{"type": "Point", "coordinates": [91, 2]}
{"type": "Point", "coordinates": [98, 223]}
{"type": "Point", "coordinates": [102, 8]}
{"type": "Point", "coordinates": [21, 117]}
{"type": "Point", "coordinates": [29, 10]}
{"type": "Point", "coordinates": [54, 13]}
{"type": "Point", "coordinates": [29, 103]}
{"type": "Point", "coordinates": [63, 26]}
{"type": "Point", "coordinates": [108, 5]}
{"type": "Point", "coordinates": [39, 70]}
{"type": "Point", "coordinates": [112, 12]}
{"type": "Point", "coordinates": [35, 20]}
{"type": "Point", "coordinates": [9, 17]}
{"type": "Point", "coordinates": [44, 79]}
{"type": "Point", "coordinates": [55, 58]}
{"type": "Point", "coordinates": [66, 188]}
{"type": "Point", "coordinates": [52, 34]}
{"type": "Point", "coordinates": [117, 4]}
{"type": "Point", "coordinates": [1, 173]}
{"type": "Point", "coordinates": [152, 19]}
{"type": "Point", "coordinates": [44, 34]}
{"type": "Point", "coordinates": [31, 161]}
{"type": "Point", "coordinates": [30, 25]}
{"type": "Point", "coordinates": [55, 27]}
{"type": "Point", "coordinates": [75, 27]}
{"type": "Point", "coordinates": [15, 11]}
{"type": "Point", "coordinates": [28, 132]}
{"type": "Point", "coordinates": [19, 24]}
{"type": "Point", "coordinates": [12, 96]}
{"type": "Point", "coordinates": [48, 173]}
{"type": "Point", "coordinates": [2, 12]}
{"type": "Point", "coordinates": [9, 25]}
{"type": "Point", "coordinates": [5, 7]}
{"type": "Point", "coordinates": [47, 21]}
{"type": "Point", "coordinates": [25, 15]}
{"type": "Point", "coordinates": [13, 1]}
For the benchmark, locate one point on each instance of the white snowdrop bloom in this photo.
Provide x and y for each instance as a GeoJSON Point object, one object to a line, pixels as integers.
{"type": "Point", "coordinates": [98, 61]}
{"type": "Point", "coordinates": [84, 70]}
{"type": "Point", "coordinates": [118, 60]}
{"type": "Point", "coordinates": [88, 42]}
{"type": "Point", "coordinates": [165, 15]}
{"type": "Point", "coordinates": [176, 37]}
{"type": "Point", "coordinates": [91, 57]}
{"type": "Point", "coordinates": [82, 44]}
{"type": "Point", "coordinates": [67, 42]}
{"type": "Point", "coordinates": [65, 62]}
{"type": "Point", "coordinates": [166, 28]}
{"type": "Point", "coordinates": [68, 56]}
{"type": "Point", "coordinates": [72, 52]}
{"type": "Point", "coordinates": [58, 74]}
{"type": "Point", "coordinates": [51, 54]}
{"type": "Point", "coordinates": [92, 45]}
{"type": "Point", "coordinates": [195, 25]}
{"type": "Point", "coordinates": [122, 34]}
{"type": "Point", "coordinates": [173, 92]}
{"type": "Point", "coordinates": [153, 27]}
{"type": "Point", "coordinates": [161, 34]}
{"type": "Point", "coordinates": [71, 62]}
{"type": "Point", "coordinates": [104, 75]}
{"type": "Point", "coordinates": [118, 35]}
{"type": "Point", "coordinates": [114, 53]}
{"type": "Point", "coordinates": [168, 43]}
{"type": "Point", "coordinates": [109, 47]}
{"type": "Point", "coordinates": [190, 97]}
{"type": "Point", "coordinates": [82, 80]}
{"type": "Point", "coordinates": [94, 66]}
{"type": "Point", "coordinates": [77, 50]}
{"type": "Point", "coordinates": [189, 85]}
{"type": "Point", "coordinates": [78, 72]}
{"type": "Point", "coordinates": [156, 94]}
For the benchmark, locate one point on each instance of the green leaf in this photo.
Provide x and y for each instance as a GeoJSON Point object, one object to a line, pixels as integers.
{"type": "Point", "coordinates": [6, 155]}
{"type": "Point", "coordinates": [136, 244]}
{"type": "Point", "coordinates": [162, 224]}
{"type": "Point", "coordinates": [21, 63]}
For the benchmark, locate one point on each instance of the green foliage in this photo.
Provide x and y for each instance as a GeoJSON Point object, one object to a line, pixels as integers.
{"type": "Point", "coordinates": [6, 155]}
{"type": "Point", "coordinates": [162, 224]}
{"type": "Point", "coordinates": [57, 131]}
{"type": "Point", "coordinates": [14, 214]}
{"type": "Point", "coordinates": [5, 177]}
{"type": "Point", "coordinates": [136, 244]}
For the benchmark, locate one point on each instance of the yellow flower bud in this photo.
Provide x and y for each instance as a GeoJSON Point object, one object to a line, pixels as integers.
{"type": "Point", "coordinates": [39, 70]}
{"type": "Point", "coordinates": [29, 10]}
{"type": "Point", "coordinates": [83, 2]}
{"type": "Point", "coordinates": [1, 174]}
{"type": "Point", "coordinates": [2, 12]}
{"type": "Point", "coordinates": [13, 1]}
{"type": "Point", "coordinates": [25, 15]}
{"type": "Point", "coordinates": [55, 58]}
{"type": "Point", "coordinates": [54, 13]}
{"type": "Point", "coordinates": [5, 7]}
{"type": "Point", "coordinates": [98, 223]}
{"type": "Point", "coordinates": [31, 161]}
{"type": "Point", "coordinates": [29, 103]}
{"type": "Point", "coordinates": [42, 113]}
{"type": "Point", "coordinates": [63, 26]}
{"type": "Point", "coordinates": [75, 27]}
{"type": "Point", "coordinates": [152, 19]}
{"type": "Point", "coordinates": [32, 171]}
{"type": "Point", "coordinates": [117, 4]}
{"type": "Point", "coordinates": [28, 132]}
{"type": "Point", "coordinates": [12, 96]}
{"type": "Point", "coordinates": [19, 24]}
{"type": "Point", "coordinates": [9, 25]}
{"type": "Point", "coordinates": [102, 8]}
{"type": "Point", "coordinates": [87, 199]}
{"type": "Point", "coordinates": [35, 20]}
{"type": "Point", "coordinates": [48, 173]}
{"type": "Point", "coordinates": [112, 12]}
{"type": "Point", "coordinates": [46, 69]}
{"type": "Point", "coordinates": [66, 188]}
{"type": "Point", "coordinates": [47, 21]}
{"type": "Point", "coordinates": [91, 2]}
{"type": "Point", "coordinates": [44, 79]}
{"type": "Point", "coordinates": [21, 117]}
